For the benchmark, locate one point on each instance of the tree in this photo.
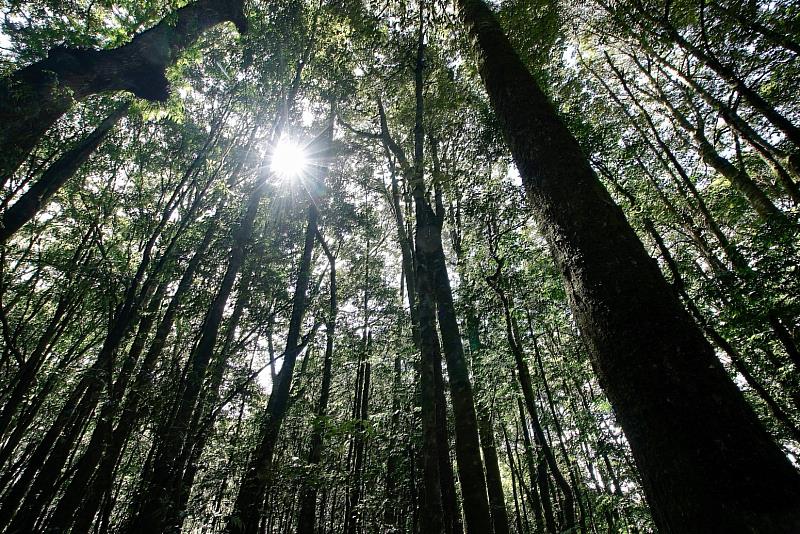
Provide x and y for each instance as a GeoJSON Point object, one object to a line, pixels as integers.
{"type": "Point", "coordinates": [557, 285]}
{"type": "Point", "coordinates": [644, 345]}
{"type": "Point", "coordinates": [34, 97]}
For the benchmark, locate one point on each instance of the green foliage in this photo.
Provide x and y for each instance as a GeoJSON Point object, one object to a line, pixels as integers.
{"type": "Point", "coordinates": [175, 174]}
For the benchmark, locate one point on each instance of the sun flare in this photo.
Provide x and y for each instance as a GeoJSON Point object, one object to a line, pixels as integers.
{"type": "Point", "coordinates": [289, 160]}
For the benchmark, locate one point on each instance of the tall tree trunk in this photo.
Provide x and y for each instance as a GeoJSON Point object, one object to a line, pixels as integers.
{"type": "Point", "coordinates": [468, 456]}
{"type": "Point", "coordinates": [308, 492]}
{"type": "Point", "coordinates": [430, 351]}
{"type": "Point", "coordinates": [158, 493]}
{"type": "Point", "coordinates": [431, 260]}
{"type": "Point", "coordinates": [707, 463]}
{"type": "Point", "coordinates": [540, 482]}
{"type": "Point", "coordinates": [517, 515]}
{"type": "Point", "coordinates": [447, 501]}
{"type": "Point", "coordinates": [247, 508]}
{"type": "Point", "coordinates": [494, 485]}
{"type": "Point", "coordinates": [419, 280]}
{"type": "Point", "coordinates": [205, 415]}
{"type": "Point", "coordinates": [353, 516]}
{"type": "Point", "coordinates": [391, 513]}
{"type": "Point", "coordinates": [494, 481]}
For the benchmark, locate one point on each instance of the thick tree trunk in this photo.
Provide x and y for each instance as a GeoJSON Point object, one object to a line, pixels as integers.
{"type": "Point", "coordinates": [707, 464]}
{"type": "Point", "coordinates": [423, 304]}
{"type": "Point", "coordinates": [448, 501]}
{"type": "Point", "coordinates": [33, 98]}
{"type": "Point", "coordinates": [468, 456]}
{"type": "Point", "coordinates": [431, 260]}
{"type": "Point", "coordinates": [430, 351]}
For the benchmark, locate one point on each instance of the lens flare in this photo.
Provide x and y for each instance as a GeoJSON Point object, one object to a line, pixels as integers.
{"type": "Point", "coordinates": [289, 160]}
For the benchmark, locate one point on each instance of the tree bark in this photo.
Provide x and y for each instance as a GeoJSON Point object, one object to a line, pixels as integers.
{"type": "Point", "coordinates": [706, 462]}
{"type": "Point", "coordinates": [33, 98]}
{"type": "Point", "coordinates": [431, 263]}
{"type": "Point", "coordinates": [426, 340]}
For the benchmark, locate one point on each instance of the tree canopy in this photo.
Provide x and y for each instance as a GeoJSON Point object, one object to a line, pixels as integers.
{"type": "Point", "coordinates": [351, 266]}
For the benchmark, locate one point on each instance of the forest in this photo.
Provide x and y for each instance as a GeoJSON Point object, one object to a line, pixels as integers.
{"type": "Point", "coordinates": [400, 266]}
